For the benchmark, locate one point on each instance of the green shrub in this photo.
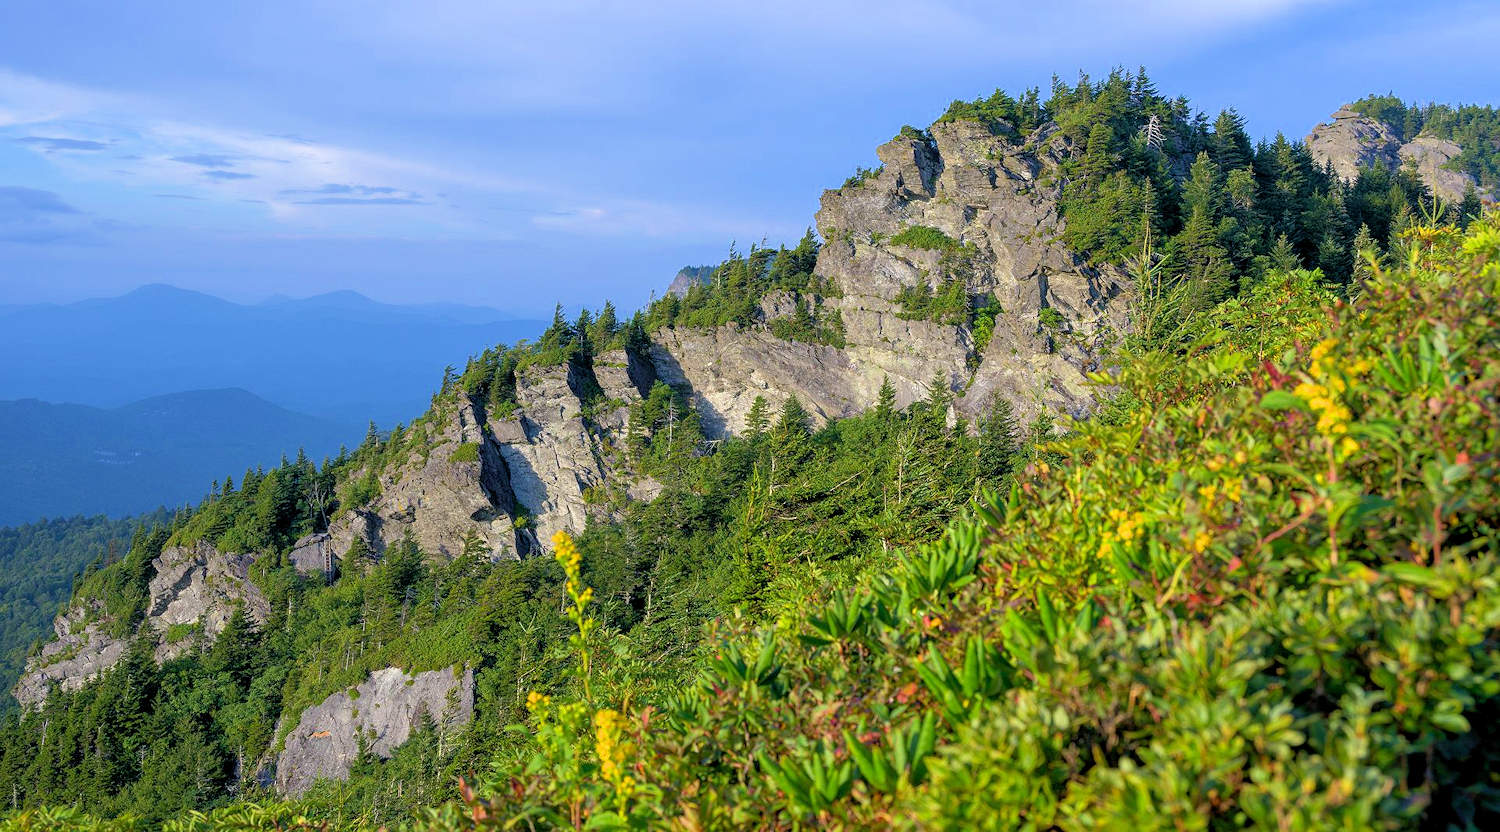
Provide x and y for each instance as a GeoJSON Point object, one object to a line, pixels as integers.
{"type": "Point", "coordinates": [1050, 319]}
{"type": "Point", "coordinates": [465, 452]}
{"type": "Point", "coordinates": [924, 237]}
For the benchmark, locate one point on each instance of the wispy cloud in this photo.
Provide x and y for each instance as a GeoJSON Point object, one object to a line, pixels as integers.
{"type": "Point", "coordinates": [345, 200]}
{"type": "Point", "coordinates": [21, 203]}
{"type": "Point", "coordinates": [206, 160]}
{"type": "Point", "coordinates": [33, 215]}
{"type": "Point", "coordinates": [59, 143]}
{"type": "Point", "coordinates": [227, 175]}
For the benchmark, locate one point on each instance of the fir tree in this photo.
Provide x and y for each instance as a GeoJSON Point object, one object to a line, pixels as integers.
{"type": "Point", "coordinates": [758, 418]}
{"type": "Point", "coordinates": [998, 439]}
{"type": "Point", "coordinates": [793, 420]}
{"type": "Point", "coordinates": [1365, 250]}
{"type": "Point", "coordinates": [885, 403]}
{"type": "Point", "coordinates": [1283, 257]}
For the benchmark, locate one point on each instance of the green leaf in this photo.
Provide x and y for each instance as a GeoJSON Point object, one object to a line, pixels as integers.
{"type": "Point", "coordinates": [1282, 400]}
{"type": "Point", "coordinates": [1411, 573]}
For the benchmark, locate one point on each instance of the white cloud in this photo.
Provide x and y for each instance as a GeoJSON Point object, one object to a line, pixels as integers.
{"type": "Point", "coordinates": [307, 185]}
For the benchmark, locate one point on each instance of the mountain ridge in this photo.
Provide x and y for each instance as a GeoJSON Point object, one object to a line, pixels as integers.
{"type": "Point", "coordinates": [963, 301]}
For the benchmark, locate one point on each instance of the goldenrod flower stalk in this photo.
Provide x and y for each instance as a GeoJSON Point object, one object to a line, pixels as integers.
{"type": "Point", "coordinates": [614, 750]}
{"type": "Point", "coordinates": [565, 551]}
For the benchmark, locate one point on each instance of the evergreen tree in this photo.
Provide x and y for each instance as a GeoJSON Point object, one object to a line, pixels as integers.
{"type": "Point", "coordinates": [1099, 157]}
{"type": "Point", "coordinates": [758, 418]}
{"type": "Point", "coordinates": [1231, 144]}
{"type": "Point", "coordinates": [885, 403]}
{"type": "Point", "coordinates": [1365, 250]}
{"type": "Point", "coordinates": [1283, 257]}
{"type": "Point", "coordinates": [583, 330]}
{"type": "Point", "coordinates": [602, 332]}
{"type": "Point", "coordinates": [793, 420]}
{"type": "Point", "coordinates": [998, 439]}
{"type": "Point", "coordinates": [1470, 208]}
{"type": "Point", "coordinates": [939, 395]}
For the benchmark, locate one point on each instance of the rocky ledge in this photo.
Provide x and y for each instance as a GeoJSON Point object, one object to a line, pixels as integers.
{"type": "Point", "coordinates": [377, 716]}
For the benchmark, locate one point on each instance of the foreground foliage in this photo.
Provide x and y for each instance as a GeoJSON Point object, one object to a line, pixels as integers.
{"type": "Point", "coordinates": [1266, 594]}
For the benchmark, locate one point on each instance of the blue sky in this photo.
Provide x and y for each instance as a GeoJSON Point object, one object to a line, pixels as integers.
{"type": "Point", "coordinates": [512, 155]}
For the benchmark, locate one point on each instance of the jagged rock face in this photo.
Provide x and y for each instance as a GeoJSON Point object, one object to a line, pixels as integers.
{"type": "Point", "coordinates": [687, 278]}
{"type": "Point", "coordinates": [194, 586]}
{"type": "Point", "coordinates": [549, 451]}
{"type": "Point", "coordinates": [727, 367]}
{"type": "Point", "coordinates": [997, 194]}
{"type": "Point", "coordinates": [80, 652]}
{"type": "Point", "coordinates": [1429, 154]}
{"type": "Point", "coordinates": [1351, 141]}
{"type": "Point", "coordinates": [384, 710]}
{"type": "Point", "coordinates": [201, 586]}
{"type": "Point", "coordinates": [456, 489]}
{"type": "Point", "coordinates": [535, 463]}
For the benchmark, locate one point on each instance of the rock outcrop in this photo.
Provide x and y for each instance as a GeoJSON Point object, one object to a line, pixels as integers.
{"type": "Point", "coordinates": [81, 650]}
{"type": "Point", "coordinates": [452, 488]}
{"type": "Point", "coordinates": [552, 454]}
{"type": "Point", "coordinates": [378, 715]}
{"type": "Point", "coordinates": [508, 481]}
{"type": "Point", "coordinates": [1350, 141]}
{"type": "Point", "coordinates": [995, 198]}
{"type": "Point", "coordinates": [687, 278]}
{"type": "Point", "coordinates": [194, 591]}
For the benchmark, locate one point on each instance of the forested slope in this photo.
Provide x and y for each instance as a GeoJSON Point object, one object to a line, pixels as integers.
{"type": "Point", "coordinates": [1267, 533]}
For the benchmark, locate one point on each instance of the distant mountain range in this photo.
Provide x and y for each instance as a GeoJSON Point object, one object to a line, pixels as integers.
{"type": "Point", "coordinates": [340, 356]}
{"type": "Point", "coordinates": [65, 459]}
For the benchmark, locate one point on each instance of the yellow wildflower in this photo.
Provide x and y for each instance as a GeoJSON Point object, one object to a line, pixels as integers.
{"type": "Point", "coordinates": [565, 551]}
{"type": "Point", "coordinates": [1201, 542]}
{"type": "Point", "coordinates": [536, 701]}
{"type": "Point", "coordinates": [611, 746]}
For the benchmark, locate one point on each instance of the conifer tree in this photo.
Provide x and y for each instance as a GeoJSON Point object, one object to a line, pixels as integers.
{"type": "Point", "coordinates": [793, 420]}
{"type": "Point", "coordinates": [939, 396]}
{"type": "Point", "coordinates": [583, 329]}
{"type": "Point", "coordinates": [1365, 250]}
{"type": "Point", "coordinates": [758, 418]}
{"type": "Point", "coordinates": [1231, 144]}
{"type": "Point", "coordinates": [998, 439]}
{"type": "Point", "coordinates": [603, 330]}
{"type": "Point", "coordinates": [885, 402]}
{"type": "Point", "coordinates": [1283, 258]}
{"type": "Point", "coordinates": [1099, 157]}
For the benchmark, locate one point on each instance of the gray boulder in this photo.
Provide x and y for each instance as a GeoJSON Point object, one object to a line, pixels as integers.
{"type": "Point", "coordinates": [380, 714]}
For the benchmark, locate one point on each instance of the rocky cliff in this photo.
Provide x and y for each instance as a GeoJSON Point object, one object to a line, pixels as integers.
{"type": "Point", "coordinates": [377, 716]}
{"type": "Point", "coordinates": [194, 592]}
{"type": "Point", "coordinates": [452, 487]}
{"type": "Point", "coordinates": [1350, 141]}
{"type": "Point", "coordinates": [995, 196]}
